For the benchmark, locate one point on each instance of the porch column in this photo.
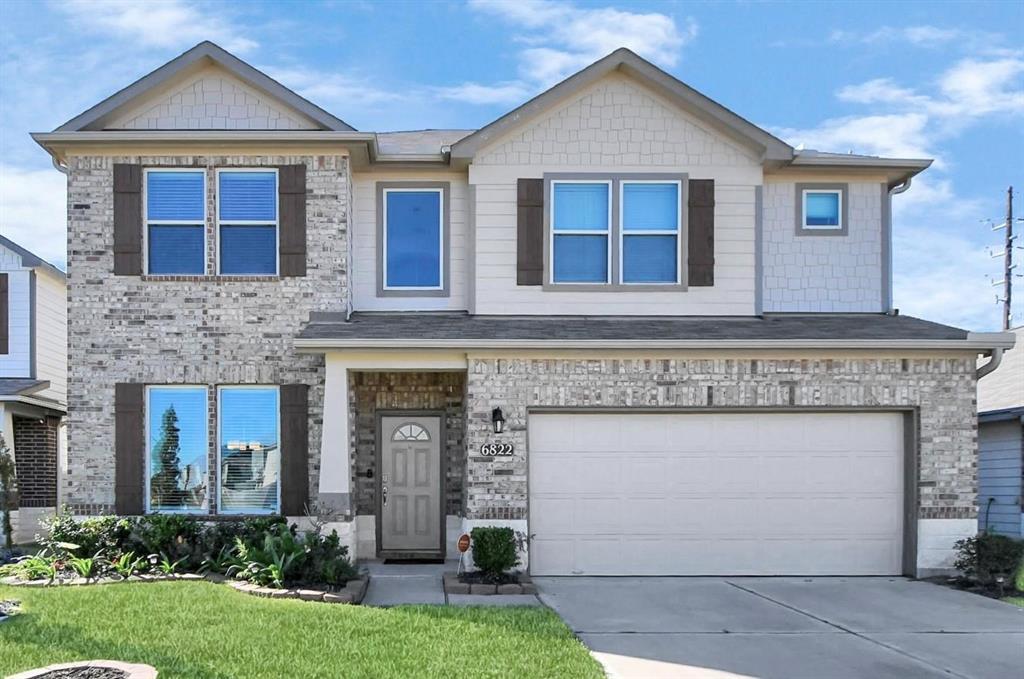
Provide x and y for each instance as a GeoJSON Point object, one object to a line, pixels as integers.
{"type": "Point", "coordinates": [335, 455]}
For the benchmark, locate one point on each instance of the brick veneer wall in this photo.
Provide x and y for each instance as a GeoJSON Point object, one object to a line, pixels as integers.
{"type": "Point", "coordinates": [201, 330]}
{"type": "Point", "coordinates": [942, 389]}
{"type": "Point", "coordinates": [373, 391]}
{"type": "Point", "coordinates": [35, 446]}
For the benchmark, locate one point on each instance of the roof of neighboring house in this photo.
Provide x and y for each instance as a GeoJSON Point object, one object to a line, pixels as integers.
{"type": "Point", "coordinates": [21, 386]}
{"type": "Point", "coordinates": [28, 259]}
{"type": "Point", "coordinates": [424, 329]}
{"type": "Point", "coordinates": [418, 142]}
{"type": "Point", "coordinates": [1004, 387]}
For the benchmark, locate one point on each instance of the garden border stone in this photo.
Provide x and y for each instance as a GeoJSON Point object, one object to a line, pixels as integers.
{"type": "Point", "coordinates": [352, 593]}
{"type": "Point", "coordinates": [133, 671]}
{"type": "Point", "coordinates": [452, 585]}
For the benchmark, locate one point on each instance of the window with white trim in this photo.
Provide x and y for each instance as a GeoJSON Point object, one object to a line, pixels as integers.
{"type": "Point", "coordinates": [176, 448]}
{"type": "Point", "coordinates": [649, 229]}
{"type": "Point", "coordinates": [175, 212]}
{"type": "Point", "coordinates": [822, 209]}
{"type": "Point", "coordinates": [581, 224]}
{"type": "Point", "coordinates": [247, 221]}
{"type": "Point", "coordinates": [413, 238]}
{"type": "Point", "coordinates": [248, 449]}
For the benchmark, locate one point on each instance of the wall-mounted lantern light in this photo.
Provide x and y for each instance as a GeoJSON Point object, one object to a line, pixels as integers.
{"type": "Point", "coordinates": [498, 420]}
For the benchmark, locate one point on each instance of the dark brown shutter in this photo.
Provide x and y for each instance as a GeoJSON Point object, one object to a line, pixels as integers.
{"type": "Point", "coordinates": [291, 198]}
{"type": "Point", "coordinates": [530, 232]}
{"type": "Point", "coordinates": [701, 220]}
{"type": "Point", "coordinates": [129, 449]}
{"type": "Point", "coordinates": [5, 315]}
{"type": "Point", "coordinates": [127, 219]}
{"type": "Point", "coordinates": [294, 449]}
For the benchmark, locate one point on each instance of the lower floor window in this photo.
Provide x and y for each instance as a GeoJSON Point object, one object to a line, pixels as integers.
{"type": "Point", "coordinates": [249, 454]}
{"type": "Point", "coordinates": [177, 444]}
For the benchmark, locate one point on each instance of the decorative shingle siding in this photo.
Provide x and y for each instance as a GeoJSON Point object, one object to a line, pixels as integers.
{"type": "Point", "coordinates": [35, 445]}
{"type": "Point", "coordinates": [191, 330]}
{"type": "Point", "coordinates": [829, 273]}
{"type": "Point", "coordinates": [942, 389]}
{"type": "Point", "coordinates": [373, 391]}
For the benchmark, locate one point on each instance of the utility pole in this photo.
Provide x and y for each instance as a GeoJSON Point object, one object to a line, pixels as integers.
{"type": "Point", "coordinates": [1008, 265]}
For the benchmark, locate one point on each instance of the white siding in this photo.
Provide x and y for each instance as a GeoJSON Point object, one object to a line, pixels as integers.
{"type": "Point", "coordinates": [364, 244]}
{"type": "Point", "coordinates": [52, 334]}
{"type": "Point", "coordinates": [1000, 454]}
{"type": "Point", "coordinates": [616, 125]}
{"type": "Point", "coordinates": [212, 100]}
{"type": "Point", "coordinates": [17, 361]}
{"type": "Point", "coordinates": [830, 273]}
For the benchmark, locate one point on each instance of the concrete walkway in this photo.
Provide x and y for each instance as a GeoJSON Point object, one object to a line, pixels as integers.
{"type": "Point", "coordinates": [400, 584]}
{"type": "Point", "coordinates": [813, 628]}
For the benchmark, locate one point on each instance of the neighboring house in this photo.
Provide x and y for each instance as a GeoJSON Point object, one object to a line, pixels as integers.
{"type": "Point", "coordinates": [621, 319]}
{"type": "Point", "coordinates": [33, 379]}
{"type": "Point", "coordinates": [1001, 444]}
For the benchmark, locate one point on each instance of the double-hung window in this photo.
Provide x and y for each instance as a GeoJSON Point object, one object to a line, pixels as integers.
{"type": "Point", "coordinates": [649, 226]}
{"type": "Point", "coordinates": [175, 212]}
{"type": "Point", "coordinates": [581, 223]}
{"type": "Point", "coordinates": [249, 454]}
{"type": "Point", "coordinates": [247, 219]}
{"type": "Point", "coordinates": [176, 448]}
{"type": "Point", "coordinates": [413, 239]}
{"type": "Point", "coordinates": [822, 210]}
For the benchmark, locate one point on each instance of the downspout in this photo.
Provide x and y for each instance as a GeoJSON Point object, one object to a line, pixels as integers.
{"type": "Point", "coordinates": [887, 299]}
{"type": "Point", "coordinates": [997, 358]}
{"type": "Point", "coordinates": [63, 169]}
{"type": "Point", "coordinates": [900, 188]}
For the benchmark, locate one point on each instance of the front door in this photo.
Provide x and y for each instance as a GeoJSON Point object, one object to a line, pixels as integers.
{"type": "Point", "coordinates": [410, 484]}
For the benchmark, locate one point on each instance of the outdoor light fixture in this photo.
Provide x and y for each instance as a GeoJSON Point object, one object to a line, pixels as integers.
{"type": "Point", "coordinates": [498, 420]}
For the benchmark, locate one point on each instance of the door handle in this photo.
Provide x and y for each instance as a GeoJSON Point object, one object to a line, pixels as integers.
{"type": "Point", "coordinates": [384, 496]}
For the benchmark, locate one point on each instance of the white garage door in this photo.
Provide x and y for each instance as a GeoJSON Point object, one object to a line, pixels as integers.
{"type": "Point", "coordinates": [716, 494]}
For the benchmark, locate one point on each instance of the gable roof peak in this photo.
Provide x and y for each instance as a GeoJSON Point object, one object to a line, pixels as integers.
{"type": "Point", "coordinates": [204, 52]}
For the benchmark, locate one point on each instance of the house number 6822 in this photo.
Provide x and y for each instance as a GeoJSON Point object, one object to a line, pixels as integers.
{"type": "Point", "coordinates": [497, 450]}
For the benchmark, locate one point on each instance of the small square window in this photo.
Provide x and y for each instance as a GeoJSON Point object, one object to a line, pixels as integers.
{"type": "Point", "coordinates": [580, 231]}
{"type": "Point", "coordinates": [175, 221]}
{"type": "Point", "coordinates": [247, 222]}
{"type": "Point", "coordinates": [822, 209]}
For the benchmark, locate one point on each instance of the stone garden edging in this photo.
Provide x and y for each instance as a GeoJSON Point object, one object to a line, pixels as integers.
{"type": "Point", "coordinates": [132, 671]}
{"type": "Point", "coordinates": [352, 593]}
{"type": "Point", "coordinates": [452, 585]}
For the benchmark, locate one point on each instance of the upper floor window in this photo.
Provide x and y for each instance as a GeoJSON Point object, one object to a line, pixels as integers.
{"type": "Point", "coordinates": [581, 231]}
{"type": "Point", "coordinates": [176, 448]}
{"type": "Point", "coordinates": [413, 239]}
{"type": "Point", "coordinates": [247, 219]}
{"type": "Point", "coordinates": [249, 450]}
{"type": "Point", "coordinates": [650, 225]}
{"type": "Point", "coordinates": [822, 209]}
{"type": "Point", "coordinates": [175, 209]}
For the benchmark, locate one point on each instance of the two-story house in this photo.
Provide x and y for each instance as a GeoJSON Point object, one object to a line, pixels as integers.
{"type": "Point", "coordinates": [33, 380]}
{"type": "Point", "coordinates": [647, 334]}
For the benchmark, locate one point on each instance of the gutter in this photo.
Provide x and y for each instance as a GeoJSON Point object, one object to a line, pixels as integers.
{"type": "Point", "coordinates": [997, 358]}
{"type": "Point", "coordinates": [974, 342]}
{"type": "Point", "coordinates": [39, 403]}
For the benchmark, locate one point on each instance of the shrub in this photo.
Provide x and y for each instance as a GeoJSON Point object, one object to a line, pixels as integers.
{"type": "Point", "coordinates": [494, 550]}
{"type": "Point", "coordinates": [282, 558]}
{"type": "Point", "coordinates": [988, 556]}
{"type": "Point", "coordinates": [1018, 580]}
{"type": "Point", "coordinates": [104, 534]}
{"type": "Point", "coordinates": [175, 537]}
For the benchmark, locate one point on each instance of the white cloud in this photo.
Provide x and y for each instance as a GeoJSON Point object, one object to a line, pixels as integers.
{"type": "Point", "coordinates": [33, 211]}
{"type": "Point", "coordinates": [919, 36]}
{"type": "Point", "coordinates": [164, 24]}
{"type": "Point", "coordinates": [559, 38]}
{"type": "Point", "coordinates": [330, 89]}
{"type": "Point", "coordinates": [902, 135]}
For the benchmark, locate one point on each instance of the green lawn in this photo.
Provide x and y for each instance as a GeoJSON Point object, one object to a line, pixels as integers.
{"type": "Point", "coordinates": [1015, 600]}
{"type": "Point", "coordinates": [202, 630]}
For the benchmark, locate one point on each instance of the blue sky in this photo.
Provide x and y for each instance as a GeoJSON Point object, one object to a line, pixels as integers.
{"type": "Point", "coordinates": [943, 80]}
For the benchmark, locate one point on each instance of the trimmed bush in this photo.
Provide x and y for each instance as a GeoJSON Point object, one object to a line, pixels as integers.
{"type": "Point", "coordinates": [987, 557]}
{"type": "Point", "coordinates": [494, 550]}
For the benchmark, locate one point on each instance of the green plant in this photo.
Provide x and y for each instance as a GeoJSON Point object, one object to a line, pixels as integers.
{"type": "Point", "coordinates": [127, 565]}
{"type": "Point", "coordinates": [988, 557]}
{"type": "Point", "coordinates": [176, 536]}
{"type": "Point", "coordinates": [107, 534]}
{"type": "Point", "coordinates": [41, 566]}
{"type": "Point", "coordinates": [271, 562]}
{"type": "Point", "coordinates": [494, 550]}
{"type": "Point", "coordinates": [168, 567]}
{"type": "Point", "coordinates": [8, 493]}
{"type": "Point", "coordinates": [87, 567]}
{"type": "Point", "coordinates": [222, 562]}
{"type": "Point", "coordinates": [1018, 580]}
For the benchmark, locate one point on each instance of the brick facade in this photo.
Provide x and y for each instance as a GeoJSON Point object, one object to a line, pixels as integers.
{"type": "Point", "coordinates": [373, 391]}
{"type": "Point", "coordinates": [203, 330]}
{"type": "Point", "coordinates": [35, 443]}
{"type": "Point", "coordinates": [940, 389]}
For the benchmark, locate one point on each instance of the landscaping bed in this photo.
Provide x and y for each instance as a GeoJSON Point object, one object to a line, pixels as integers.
{"type": "Point", "coordinates": [991, 565]}
{"type": "Point", "coordinates": [478, 582]}
{"type": "Point", "coordinates": [201, 630]}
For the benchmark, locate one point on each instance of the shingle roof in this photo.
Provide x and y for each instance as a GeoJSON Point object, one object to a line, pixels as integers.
{"type": "Point", "coordinates": [14, 386]}
{"type": "Point", "coordinates": [418, 142]}
{"type": "Point", "coordinates": [460, 326]}
{"type": "Point", "coordinates": [28, 258]}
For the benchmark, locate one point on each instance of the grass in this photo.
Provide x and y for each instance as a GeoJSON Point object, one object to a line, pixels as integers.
{"type": "Point", "coordinates": [1015, 600]}
{"type": "Point", "coordinates": [200, 630]}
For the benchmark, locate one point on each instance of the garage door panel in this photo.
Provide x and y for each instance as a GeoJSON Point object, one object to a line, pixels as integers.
{"type": "Point", "coordinates": [716, 493]}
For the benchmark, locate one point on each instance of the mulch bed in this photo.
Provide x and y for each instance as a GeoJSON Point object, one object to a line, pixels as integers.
{"type": "Point", "coordinates": [481, 578]}
{"type": "Point", "coordinates": [85, 673]}
{"type": "Point", "coordinates": [966, 585]}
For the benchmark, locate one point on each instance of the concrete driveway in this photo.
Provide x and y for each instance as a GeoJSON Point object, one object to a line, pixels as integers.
{"type": "Point", "coordinates": [818, 628]}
